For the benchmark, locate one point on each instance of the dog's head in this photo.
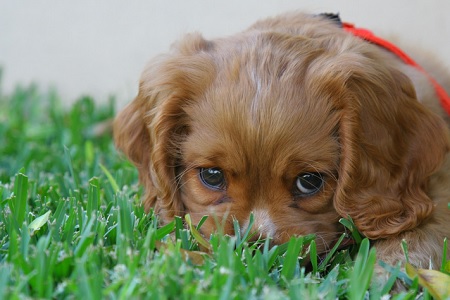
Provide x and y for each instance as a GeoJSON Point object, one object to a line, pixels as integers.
{"type": "Point", "coordinates": [300, 129]}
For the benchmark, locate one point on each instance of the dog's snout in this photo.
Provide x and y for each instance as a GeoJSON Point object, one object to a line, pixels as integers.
{"type": "Point", "coordinates": [263, 226]}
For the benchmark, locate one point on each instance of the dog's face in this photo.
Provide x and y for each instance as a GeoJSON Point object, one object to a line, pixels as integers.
{"type": "Point", "coordinates": [271, 149]}
{"type": "Point", "coordinates": [300, 129]}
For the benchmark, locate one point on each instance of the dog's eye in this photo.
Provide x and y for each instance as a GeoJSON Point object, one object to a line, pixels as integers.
{"type": "Point", "coordinates": [308, 184]}
{"type": "Point", "coordinates": [213, 178]}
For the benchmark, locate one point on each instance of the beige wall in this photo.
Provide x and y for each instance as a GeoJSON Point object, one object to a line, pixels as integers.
{"type": "Point", "coordinates": [99, 47]}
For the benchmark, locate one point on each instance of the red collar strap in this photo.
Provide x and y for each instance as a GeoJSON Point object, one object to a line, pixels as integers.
{"type": "Point", "coordinates": [370, 37]}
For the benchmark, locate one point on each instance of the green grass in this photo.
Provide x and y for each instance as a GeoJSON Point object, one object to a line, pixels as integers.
{"type": "Point", "coordinates": [71, 226]}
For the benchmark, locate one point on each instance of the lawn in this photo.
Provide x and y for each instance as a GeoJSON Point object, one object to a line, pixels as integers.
{"type": "Point", "coordinates": [72, 227]}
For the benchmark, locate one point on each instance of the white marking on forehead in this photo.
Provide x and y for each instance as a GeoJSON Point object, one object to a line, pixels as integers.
{"type": "Point", "coordinates": [257, 97]}
{"type": "Point", "coordinates": [263, 223]}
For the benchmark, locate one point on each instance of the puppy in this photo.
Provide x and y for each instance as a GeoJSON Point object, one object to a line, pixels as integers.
{"type": "Point", "coordinates": [301, 123]}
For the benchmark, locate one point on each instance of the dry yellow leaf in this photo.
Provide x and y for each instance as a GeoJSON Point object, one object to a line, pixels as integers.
{"type": "Point", "coordinates": [437, 283]}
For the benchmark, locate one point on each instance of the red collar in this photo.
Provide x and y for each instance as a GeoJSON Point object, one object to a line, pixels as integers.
{"type": "Point", "coordinates": [370, 37]}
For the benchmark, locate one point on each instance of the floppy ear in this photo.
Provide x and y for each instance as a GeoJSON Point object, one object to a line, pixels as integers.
{"type": "Point", "coordinates": [391, 144]}
{"type": "Point", "coordinates": [132, 138]}
{"type": "Point", "coordinates": [151, 128]}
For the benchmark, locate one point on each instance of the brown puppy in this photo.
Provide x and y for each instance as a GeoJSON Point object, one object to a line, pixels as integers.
{"type": "Point", "coordinates": [300, 123]}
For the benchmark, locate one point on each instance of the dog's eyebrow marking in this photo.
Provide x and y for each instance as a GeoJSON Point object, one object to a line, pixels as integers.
{"type": "Point", "coordinates": [263, 223]}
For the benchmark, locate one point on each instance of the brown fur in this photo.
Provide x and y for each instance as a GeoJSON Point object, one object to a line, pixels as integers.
{"type": "Point", "coordinates": [294, 94]}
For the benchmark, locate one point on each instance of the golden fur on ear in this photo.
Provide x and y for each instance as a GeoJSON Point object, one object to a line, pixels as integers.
{"type": "Point", "coordinates": [390, 145]}
{"type": "Point", "coordinates": [132, 138]}
{"type": "Point", "coordinates": [150, 129]}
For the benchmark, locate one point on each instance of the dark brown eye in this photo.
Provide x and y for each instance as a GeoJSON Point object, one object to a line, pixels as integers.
{"type": "Point", "coordinates": [308, 184]}
{"type": "Point", "coordinates": [212, 178]}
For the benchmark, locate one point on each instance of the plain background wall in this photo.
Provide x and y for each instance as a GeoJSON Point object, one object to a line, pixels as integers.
{"type": "Point", "coordinates": [100, 47]}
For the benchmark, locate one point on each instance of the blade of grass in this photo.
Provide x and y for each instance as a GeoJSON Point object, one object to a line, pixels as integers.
{"type": "Point", "coordinates": [179, 226]}
{"type": "Point", "coordinates": [18, 203]}
{"type": "Point", "coordinates": [362, 271]}
{"type": "Point", "coordinates": [58, 218]}
{"type": "Point", "coordinates": [290, 262]}
{"type": "Point", "coordinates": [69, 228]}
{"type": "Point", "coordinates": [329, 286]}
{"type": "Point", "coordinates": [393, 270]}
{"type": "Point", "coordinates": [5, 275]}
{"type": "Point", "coordinates": [111, 179]}
{"type": "Point", "coordinates": [196, 234]}
{"type": "Point", "coordinates": [444, 256]}
{"type": "Point", "coordinates": [270, 255]}
{"type": "Point", "coordinates": [13, 246]}
{"type": "Point", "coordinates": [165, 230]}
{"type": "Point", "coordinates": [405, 250]}
{"type": "Point", "coordinates": [247, 234]}
{"type": "Point", "coordinates": [86, 238]}
{"type": "Point", "coordinates": [330, 255]}
{"type": "Point", "coordinates": [93, 199]}
{"type": "Point", "coordinates": [125, 219]}
{"type": "Point", "coordinates": [391, 281]}
{"type": "Point", "coordinates": [202, 221]}
{"type": "Point", "coordinates": [69, 163]}
{"type": "Point", "coordinates": [348, 223]}
{"type": "Point", "coordinates": [313, 256]}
